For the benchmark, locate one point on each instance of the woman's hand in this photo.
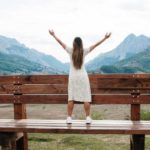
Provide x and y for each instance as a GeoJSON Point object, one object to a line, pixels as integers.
{"type": "Point", "coordinates": [51, 32]}
{"type": "Point", "coordinates": [107, 35]}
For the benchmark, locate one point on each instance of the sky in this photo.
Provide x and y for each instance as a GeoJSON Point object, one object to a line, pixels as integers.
{"type": "Point", "coordinates": [28, 21]}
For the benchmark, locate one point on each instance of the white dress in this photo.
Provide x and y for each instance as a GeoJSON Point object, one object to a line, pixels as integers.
{"type": "Point", "coordinates": [78, 83]}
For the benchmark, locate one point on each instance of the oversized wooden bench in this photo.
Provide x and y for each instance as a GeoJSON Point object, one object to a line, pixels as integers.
{"type": "Point", "coordinates": [132, 89]}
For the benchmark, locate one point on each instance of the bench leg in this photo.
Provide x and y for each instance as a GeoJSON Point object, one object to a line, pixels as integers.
{"type": "Point", "coordinates": [137, 142]}
{"type": "Point", "coordinates": [13, 145]}
{"type": "Point", "coordinates": [22, 143]}
{"type": "Point", "coordinates": [20, 113]}
{"type": "Point", "coordinates": [6, 140]}
{"type": "Point", "coordinates": [6, 148]}
{"type": "Point", "coordinates": [6, 145]}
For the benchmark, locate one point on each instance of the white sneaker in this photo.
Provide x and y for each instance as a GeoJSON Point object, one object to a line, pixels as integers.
{"type": "Point", "coordinates": [88, 120]}
{"type": "Point", "coordinates": [69, 120]}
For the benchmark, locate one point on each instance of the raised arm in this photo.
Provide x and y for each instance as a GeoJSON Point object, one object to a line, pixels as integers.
{"type": "Point", "coordinates": [51, 32]}
{"type": "Point", "coordinates": [107, 35]}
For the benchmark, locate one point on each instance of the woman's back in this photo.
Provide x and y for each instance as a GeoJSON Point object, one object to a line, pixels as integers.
{"type": "Point", "coordinates": [72, 67]}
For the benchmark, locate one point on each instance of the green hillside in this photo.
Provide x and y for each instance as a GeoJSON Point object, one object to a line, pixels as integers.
{"type": "Point", "coordinates": [139, 63]}
{"type": "Point", "coordinates": [11, 46]}
{"type": "Point", "coordinates": [13, 64]}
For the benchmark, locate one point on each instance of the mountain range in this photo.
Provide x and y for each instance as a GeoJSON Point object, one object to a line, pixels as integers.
{"type": "Point", "coordinates": [14, 64]}
{"type": "Point", "coordinates": [130, 56]}
{"type": "Point", "coordinates": [12, 47]}
{"type": "Point", "coordinates": [138, 63]}
{"type": "Point", "coordinates": [130, 46]}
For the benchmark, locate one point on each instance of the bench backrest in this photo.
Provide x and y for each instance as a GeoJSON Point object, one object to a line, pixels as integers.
{"type": "Point", "coordinates": [131, 89]}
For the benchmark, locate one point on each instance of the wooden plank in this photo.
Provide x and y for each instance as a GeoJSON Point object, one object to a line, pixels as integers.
{"type": "Point", "coordinates": [56, 83]}
{"type": "Point", "coordinates": [40, 79]}
{"type": "Point", "coordinates": [7, 79]}
{"type": "Point", "coordinates": [63, 99]}
{"type": "Point", "coordinates": [7, 99]}
{"type": "Point", "coordinates": [75, 122]}
{"type": "Point", "coordinates": [120, 99]}
{"type": "Point", "coordinates": [120, 75]}
{"type": "Point", "coordinates": [44, 89]}
{"type": "Point", "coordinates": [96, 99]}
{"type": "Point", "coordinates": [7, 88]}
{"type": "Point", "coordinates": [127, 83]}
{"type": "Point", "coordinates": [78, 126]}
{"type": "Point", "coordinates": [53, 79]}
{"type": "Point", "coordinates": [63, 89]}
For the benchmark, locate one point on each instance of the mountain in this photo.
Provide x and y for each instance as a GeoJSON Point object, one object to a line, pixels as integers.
{"type": "Point", "coordinates": [131, 55]}
{"type": "Point", "coordinates": [139, 63]}
{"type": "Point", "coordinates": [130, 46]}
{"type": "Point", "coordinates": [13, 64]}
{"type": "Point", "coordinates": [11, 46]}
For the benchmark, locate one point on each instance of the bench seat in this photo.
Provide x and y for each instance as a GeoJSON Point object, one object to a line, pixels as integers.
{"type": "Point", "coordinates": [78, 126]}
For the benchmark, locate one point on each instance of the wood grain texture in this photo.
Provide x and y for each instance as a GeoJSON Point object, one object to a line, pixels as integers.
{"type": "Point", "coordinates": [78, 126]}
{"type": "Point", "coordinates": [62, 99]}
{"type": "Point", "coordinates": [59, 79]}
{"type": "Point", "coordinates": [52, 84]}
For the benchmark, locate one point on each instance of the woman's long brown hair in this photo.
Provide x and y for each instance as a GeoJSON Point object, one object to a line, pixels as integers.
{"type": "Point", "coordinates": [77, 55]}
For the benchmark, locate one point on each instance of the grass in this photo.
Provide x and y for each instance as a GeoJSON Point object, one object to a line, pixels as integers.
{"type": "Point", "coordinates": [96, 115]}
{"type": "Point", "coordinates": [81, 142]}
{"type": "Point", "coordinates": [78, 142]}
{"type": "Point", "coordinates": [145, 115]}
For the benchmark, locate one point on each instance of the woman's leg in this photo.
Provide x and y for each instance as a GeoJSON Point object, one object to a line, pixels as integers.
{"type": "Point", "coordinates": [70, 107]}
{"type": "Point", "coordinates": [87, 106]}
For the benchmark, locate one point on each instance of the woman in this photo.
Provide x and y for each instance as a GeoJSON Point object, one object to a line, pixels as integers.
{"type": "Point", "coordinates": [78, 85]}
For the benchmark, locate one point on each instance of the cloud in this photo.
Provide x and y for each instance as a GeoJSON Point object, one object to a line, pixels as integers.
{"type": "Point", "coordinates": [134, 5]}
{"type": "Point", "coordinates": [29, 20]}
